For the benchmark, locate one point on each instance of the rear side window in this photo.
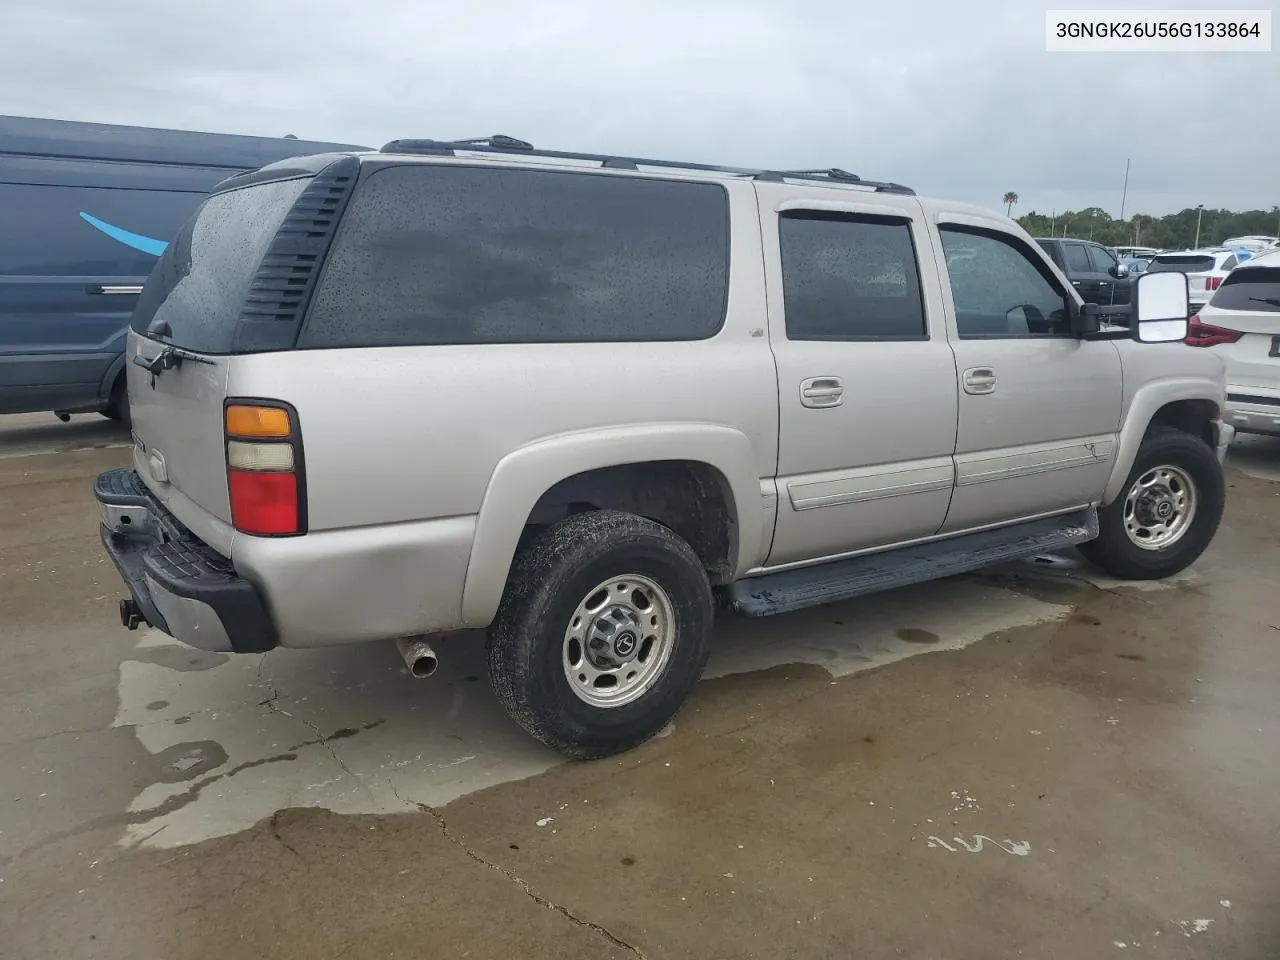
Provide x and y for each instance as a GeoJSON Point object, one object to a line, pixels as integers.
{"type": "Point", "coordinates": [1190, 263]}
{"type": "Point", "coordinates": [849, 278]}
{"type": "Point", "coordinates": [1076, 258]}
{"type": "Point", "coordinates": [1250, 288]}
{"type": "Point", "coordinates": [433, 254]}
{"type": "Point", "coordinates": [199, 285]}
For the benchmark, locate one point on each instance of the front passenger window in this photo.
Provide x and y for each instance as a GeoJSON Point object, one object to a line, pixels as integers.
{"type": "Point", "coordinates": [998, 290]}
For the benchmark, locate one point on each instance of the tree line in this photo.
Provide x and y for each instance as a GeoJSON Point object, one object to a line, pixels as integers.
{"type": "Point", "coordinates": [1172, 231]}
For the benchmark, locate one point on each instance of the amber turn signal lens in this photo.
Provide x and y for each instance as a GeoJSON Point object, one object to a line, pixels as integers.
{"type": "Point", "coordinates": [247, 421]}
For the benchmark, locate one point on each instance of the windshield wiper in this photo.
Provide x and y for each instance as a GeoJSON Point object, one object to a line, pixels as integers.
{"type": "Point", "coordinates": [1273, 301]}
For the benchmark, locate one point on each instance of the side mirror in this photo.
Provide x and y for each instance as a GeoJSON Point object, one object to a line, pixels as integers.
{"type": "Point", "coordinates": [1160, 308]}
{"type": "Point", "coordinates": [1119, 271]}
{"type": "Point", "coordinates": [1084, 318]}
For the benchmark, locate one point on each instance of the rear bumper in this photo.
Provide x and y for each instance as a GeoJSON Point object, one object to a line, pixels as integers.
{"type": "Point", "coordinates": [1253, 412]}
{"type": "Point", "coordinates": [179, 584]}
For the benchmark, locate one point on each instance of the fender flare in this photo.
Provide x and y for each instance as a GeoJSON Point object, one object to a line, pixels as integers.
{"type": "Point", "coordinates": [1147, 401]}
{"type": "Point", "coordinates": [109, 379]}
{"type": "Point", "coordinates": [523, 476]}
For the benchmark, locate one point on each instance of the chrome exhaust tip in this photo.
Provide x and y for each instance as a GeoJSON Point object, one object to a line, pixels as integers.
{"type": "Point", "coordinates": [418, 657]}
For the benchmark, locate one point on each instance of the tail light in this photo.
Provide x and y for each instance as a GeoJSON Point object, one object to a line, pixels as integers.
{"type": "Point", "coordinates": [1206, 335]}
{"type": "Point", "coordinates": [264, 469]}
{"type": "Point", "coordinates": [1212, 283]}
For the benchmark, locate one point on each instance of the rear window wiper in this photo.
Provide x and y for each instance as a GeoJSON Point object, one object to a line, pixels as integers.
{"type": "Point", "coordinates": [1273, 301]}
{"type": "Point", "coordinates": [168, 358]}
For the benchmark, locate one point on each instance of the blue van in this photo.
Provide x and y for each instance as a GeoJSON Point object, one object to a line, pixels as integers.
{"type": "Point", "coordinates": [85, 210]}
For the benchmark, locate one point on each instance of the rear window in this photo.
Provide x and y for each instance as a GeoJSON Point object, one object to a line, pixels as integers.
{"type": "Point", "coordinates": [198, 286]}
{"type": "Point", "coordinates": [1250, 288]}
{"type": "Point", "coordinates": [433, 254]}
{"type": "Point", "coordinates": [1181, 264]}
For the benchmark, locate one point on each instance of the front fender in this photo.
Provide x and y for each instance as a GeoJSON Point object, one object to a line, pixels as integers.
{"type": "Point", "coordinates": [523, 476]}
{"type": "Point", "coordinates": [1147, 400]}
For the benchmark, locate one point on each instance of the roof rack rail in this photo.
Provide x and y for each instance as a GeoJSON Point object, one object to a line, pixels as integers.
{"type": "Point", "coordinates": [501, 143]}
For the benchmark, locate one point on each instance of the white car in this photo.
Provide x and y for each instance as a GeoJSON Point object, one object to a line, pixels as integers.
{"type": "Point", "coordinates": [1205, 270]}
{"type": "Point", "coordinates": [1256, 244]}
{"type": "Point", "coordinates": [1242, 325]}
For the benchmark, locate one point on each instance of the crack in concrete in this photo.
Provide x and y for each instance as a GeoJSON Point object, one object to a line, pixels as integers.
{"type": "Point", "coordinates": [515, 878]}
{"type": "Point", "coordinates": [321, 738]}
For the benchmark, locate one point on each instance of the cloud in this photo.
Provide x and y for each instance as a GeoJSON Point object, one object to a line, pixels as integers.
{"type": "Point", "coordinates": [957, 100]}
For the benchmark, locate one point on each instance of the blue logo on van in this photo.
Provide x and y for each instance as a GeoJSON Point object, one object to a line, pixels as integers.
{"type": "Point", "coordinates": [135, 240]}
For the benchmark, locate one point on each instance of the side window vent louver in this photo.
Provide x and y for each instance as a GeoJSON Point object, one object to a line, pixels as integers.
{"type": "Point", "coordinates": [278, 296]}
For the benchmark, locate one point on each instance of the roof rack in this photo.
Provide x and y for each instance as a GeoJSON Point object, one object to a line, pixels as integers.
{"type": "Point", "coordinates": [501, 143]}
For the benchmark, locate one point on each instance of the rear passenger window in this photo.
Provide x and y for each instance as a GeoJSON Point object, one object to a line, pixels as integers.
{"type": "Point", "coordinates": [849, 278]}
{"type": "Point", "coordinates": [434, 254]}
{"type": "Point", "coordinates": [1076, 258]}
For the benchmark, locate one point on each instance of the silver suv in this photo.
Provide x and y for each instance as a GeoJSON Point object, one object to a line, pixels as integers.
{"type": "Point", "coordinates": [575, 399]}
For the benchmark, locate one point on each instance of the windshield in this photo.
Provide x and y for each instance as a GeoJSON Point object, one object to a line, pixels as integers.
{"type": "Point", "coordinates": [199, 284]}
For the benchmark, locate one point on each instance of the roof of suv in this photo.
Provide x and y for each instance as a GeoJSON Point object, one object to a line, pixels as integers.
{"type": "Point", "coordinates": [504, 145]}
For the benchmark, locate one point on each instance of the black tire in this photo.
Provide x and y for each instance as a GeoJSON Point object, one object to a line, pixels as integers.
{"type": "Point", "coordinates": [118, 406]}
{"type": "Point", "coordinates": [550, 577]}
{"type": "Point", "coordinates": [1117, 554]}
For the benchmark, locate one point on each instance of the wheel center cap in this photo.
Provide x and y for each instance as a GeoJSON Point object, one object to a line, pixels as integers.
{"type": "Point", "coordinates": [625, 644]}
{"type": "Point", "coordinates": [1164, 509]}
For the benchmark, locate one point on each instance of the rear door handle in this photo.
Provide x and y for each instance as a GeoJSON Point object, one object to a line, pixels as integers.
{"type": "Point", "coordinates": [979, 380]}
{"type": "Point", "coordinates": [821, 392]}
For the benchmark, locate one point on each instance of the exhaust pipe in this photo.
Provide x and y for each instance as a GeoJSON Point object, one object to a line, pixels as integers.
{"type": "Point", "coordinates": [418, 657]}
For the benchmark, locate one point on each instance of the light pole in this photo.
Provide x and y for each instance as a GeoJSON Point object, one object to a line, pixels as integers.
{"type": "Point", "coordinates": [1199, 214]}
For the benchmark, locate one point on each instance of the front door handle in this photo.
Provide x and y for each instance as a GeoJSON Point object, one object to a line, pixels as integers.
{"type": "Point", "coordinates": [979, 380]}
{"type": "Point", "coordinates": [821, 392]}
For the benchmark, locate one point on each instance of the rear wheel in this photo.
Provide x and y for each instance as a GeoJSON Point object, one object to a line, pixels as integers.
{"type": "Point", "coordinates": [1168, 512]}
{"type": "Point", "coordinates": [603, 632]}
{"type": "Point", "coordinates": [118, 406]}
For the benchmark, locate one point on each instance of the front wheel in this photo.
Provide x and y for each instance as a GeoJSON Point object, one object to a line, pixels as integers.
{"type": "Point", "coordinates": [1167, 513]}
{"type": "Point", "coordinates": [602, 633]}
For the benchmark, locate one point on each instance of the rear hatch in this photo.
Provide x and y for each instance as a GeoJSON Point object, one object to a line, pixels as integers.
{"type": "Point", "coordinates": [1197, 267]}
{"type": "Point", "coordinates": [233, 281]}
{"type": "Point", "coordinates": [1247, 305]}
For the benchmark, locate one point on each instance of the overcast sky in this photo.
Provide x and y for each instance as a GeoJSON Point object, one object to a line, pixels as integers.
{"type": "Point", "coordinates": [957, 99]}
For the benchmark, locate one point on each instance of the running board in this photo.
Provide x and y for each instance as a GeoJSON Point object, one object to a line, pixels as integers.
{"type": "Point", "coordinates": [790, 590]}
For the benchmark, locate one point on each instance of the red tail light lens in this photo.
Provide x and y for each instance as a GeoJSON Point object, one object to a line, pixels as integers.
{"type": "Point", "coordinates": [264, 469]}
{"type": "Point", "coordinates": [1212, 283]}
{"type": "Point", "coordinates": [263, 503]}
{"type": "Point", "coordinates": [1206, 335]}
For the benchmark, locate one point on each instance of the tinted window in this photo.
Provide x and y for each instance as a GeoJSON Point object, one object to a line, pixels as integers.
{"type": "Point", "coordinates": [849, 278]}
{"type": "Point", "coordinates": [435, 254]}
{"type": "Point", "coordinates": [1186, 263]}
{"type": "Point", "coordinates": [998, 289]}
{"type": "Point", "coordinates": [1229, 263]}
{"type": "Point", "coordinates": [1250, 288]}
{"type": "Point", "coordinates": [1076, 258]}
{"type": "Point", "coordinates": [43, 232]}
{"type": "Point", "coordinates": [1100, 260]}
{"type": "Point", "coordinates": [199, 285]}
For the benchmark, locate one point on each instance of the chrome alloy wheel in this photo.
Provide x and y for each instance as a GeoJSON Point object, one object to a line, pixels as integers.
{"type": "Point", "coordinates": [618, 641]}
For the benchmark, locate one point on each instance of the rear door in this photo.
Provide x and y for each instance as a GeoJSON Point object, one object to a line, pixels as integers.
{"type": "Point", "coordinates": [1197, 267]}
{"type": "Point", "coordinates": [866, 380]}
{"type": "Point", "coordinates": [195, 300]}
{"type": "Point", "coordinates": [1103, 266]}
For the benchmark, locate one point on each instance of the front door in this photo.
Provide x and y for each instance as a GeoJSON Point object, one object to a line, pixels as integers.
{"type": "Point", "coordinates": [866, 379]}
{"type": "Point", "coordinates": [1039, 409]}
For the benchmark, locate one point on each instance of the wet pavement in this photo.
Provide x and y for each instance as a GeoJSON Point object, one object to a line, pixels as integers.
{"type": "Point", "coordinates": [1077, 768]}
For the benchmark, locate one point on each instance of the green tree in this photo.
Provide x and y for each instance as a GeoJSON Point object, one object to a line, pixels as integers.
{"type": "Point", "coordinates": [1010, 199]}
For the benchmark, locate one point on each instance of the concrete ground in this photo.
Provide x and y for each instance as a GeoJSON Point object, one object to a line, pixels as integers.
{"type": "Point", "coordinates": [1079, 769]}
